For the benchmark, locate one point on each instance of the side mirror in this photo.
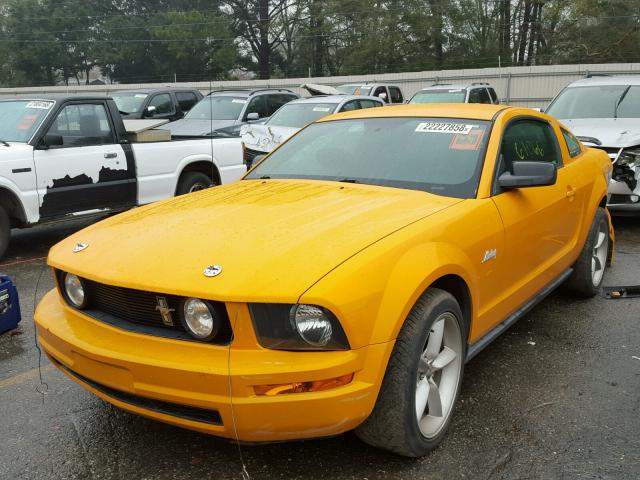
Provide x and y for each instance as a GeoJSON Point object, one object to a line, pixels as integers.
{"type": "Point", "coordinates": [253, 116]}
{"type": "Point", "coordinates": [51, 140]}
{"type": "Point", "coordinates": [150, 111]}
{"type": "Point", "coordinates": [529, 174]}
{"type": "Point", "coordinates": [383, 96]}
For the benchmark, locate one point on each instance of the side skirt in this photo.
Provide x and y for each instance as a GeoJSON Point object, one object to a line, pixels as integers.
{"type": "Point", "coordinates": [479, 345]}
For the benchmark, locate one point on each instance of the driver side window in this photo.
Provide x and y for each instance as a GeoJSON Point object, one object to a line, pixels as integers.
{"type": "Point", "coordinates": [528, 141]}
{"type": "Point", "coordinates": [257, 105]}
{"type": "Point", "coordinates": [163, 104]}
{"type": "Point", "coordinates": [83, 125]}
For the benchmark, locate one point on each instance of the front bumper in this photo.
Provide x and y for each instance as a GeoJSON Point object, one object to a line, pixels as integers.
{"type": "Point", "coordinates": [622, 199]}
{"type": "Point", "coordinates": [202, 387]}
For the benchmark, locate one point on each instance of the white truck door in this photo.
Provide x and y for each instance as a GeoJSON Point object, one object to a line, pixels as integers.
{"type": "Point", "coordinates": [81, 166]}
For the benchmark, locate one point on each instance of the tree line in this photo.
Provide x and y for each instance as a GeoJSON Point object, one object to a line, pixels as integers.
{"type": "Point", "coordinates": [43, 42]}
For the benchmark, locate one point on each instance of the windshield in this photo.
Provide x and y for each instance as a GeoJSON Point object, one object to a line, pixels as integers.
{"type": "Point", "coordinates": [217, 107]}
{"type": "Point", "coordinates": [597, 102]}
{"type": "Point", "coordinates": [298, 115]}
{"type": "Point", "coordinates": [438, 155]}
{"type": "Point", "coordinates": [129, 102]}
{"type": "Point", "coordinates": [355, 89]}
{"type": "Point", "coordinates": [20, 119]}
{"type": "Point", "coordinates": [439, 96]}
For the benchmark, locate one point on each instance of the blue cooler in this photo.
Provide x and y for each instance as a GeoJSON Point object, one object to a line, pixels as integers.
{"type": "Point", "coordinates": [9, 305]}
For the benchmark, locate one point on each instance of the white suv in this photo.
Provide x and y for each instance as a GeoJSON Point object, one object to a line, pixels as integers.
{"type": "Point", "coordinates": [476, 92]}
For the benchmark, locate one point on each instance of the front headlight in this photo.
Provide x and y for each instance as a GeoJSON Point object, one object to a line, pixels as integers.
{"type": "Point", "coordinates": [74, 290]}
{"type": "Point", "coordinates": [297, 327]}
{"type": "Point", "coordinates": [630, 157]}
{"type": "Point", "coordinates": [200, 320]}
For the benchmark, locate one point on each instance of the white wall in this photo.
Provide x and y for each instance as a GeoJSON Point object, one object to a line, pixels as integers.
{"type": "Point", "coordinates": [526, 86]}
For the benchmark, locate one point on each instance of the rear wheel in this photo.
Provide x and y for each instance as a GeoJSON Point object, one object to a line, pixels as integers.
{"type": "Point", "coordinates": [588, 271]}
{"type": "Point", "coordinates": [193, 182]}
{"type": "Point", "coordinates": [422, 380]}
{"type": "Point", "coordinates": [5, 231]}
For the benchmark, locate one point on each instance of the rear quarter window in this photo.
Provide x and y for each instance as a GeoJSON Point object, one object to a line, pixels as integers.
{"type": "Point", "coordinates": [572, 144]}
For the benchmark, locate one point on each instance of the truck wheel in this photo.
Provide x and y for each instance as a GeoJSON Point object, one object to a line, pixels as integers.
{"type": "Point", "coordinates": [588, 271]}
{"type": "Point", "coordinates": [192, 182]}
{"type": "Point", "coordinates": [423, 377]}
{"type": "Point", "coordinates": [5, 231]}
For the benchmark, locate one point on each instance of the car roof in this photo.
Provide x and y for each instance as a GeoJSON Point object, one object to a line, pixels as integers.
{"type": "Point", "coordinates": [454, 86]}
{"type": "Point", "coordinates": [333, 99]}
{"type": "Point", "coordinates": [475, 111]}
{"type": "Point", "coordinates": [55, 97]}
{"type": "Point", "coordinates": [246, 92]}
{"type": "Point", "coordinates": [155, 90]}
{"type": "Point", "coordinates": [606, 80]}
{"type": "Point", "coordinates": [367, 84]}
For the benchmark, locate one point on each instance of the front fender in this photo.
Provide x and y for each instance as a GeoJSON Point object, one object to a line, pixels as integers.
{"type": "Point", "coordinates": [373, 292]}
{"type": "Point", "coordinates": [27, 201]}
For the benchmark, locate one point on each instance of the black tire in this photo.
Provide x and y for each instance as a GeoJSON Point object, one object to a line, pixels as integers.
{"type": "Point", "coordinates": [5, 231]}
{"type": "Point", "coordinates": [192, 182]}
{"type": "Point", "coordinates": [582, 282]}
{"type": "Point", "coordinates": [393, 424]}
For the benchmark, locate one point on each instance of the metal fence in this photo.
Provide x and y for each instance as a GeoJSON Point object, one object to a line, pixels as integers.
{"type": "Point", "coordinates": [525, 86]}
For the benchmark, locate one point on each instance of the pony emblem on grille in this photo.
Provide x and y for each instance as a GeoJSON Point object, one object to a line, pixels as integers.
{"type": "Point", "coordinates": [165, 311]}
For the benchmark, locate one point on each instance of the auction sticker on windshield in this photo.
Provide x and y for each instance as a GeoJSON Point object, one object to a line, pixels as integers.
{"type": "Point", "coordinates": [39, 104]}
{"type": "Point", "coordinates": [444, 127]}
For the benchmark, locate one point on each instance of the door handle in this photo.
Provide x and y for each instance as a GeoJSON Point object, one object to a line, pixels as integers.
{"type": "Point", "coordinates": [110, 155]}
{"type": "Point", "coordinates": [571, 192]}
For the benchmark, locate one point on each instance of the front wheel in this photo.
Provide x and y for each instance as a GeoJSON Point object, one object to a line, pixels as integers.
{"type": "Point", "coordinates": [423, 377]}
{"type": "Point", "coordinates": [193, 182]}
{"type": "Point", "coordinates": [588, 271]}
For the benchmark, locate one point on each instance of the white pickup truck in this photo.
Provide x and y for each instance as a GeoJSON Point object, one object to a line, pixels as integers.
{"type": "Point", "coordinates": [66, 156]}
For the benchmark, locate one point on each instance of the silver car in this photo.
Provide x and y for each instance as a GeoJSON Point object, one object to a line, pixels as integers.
{"type": "Point", "coordinates": [604, 112]}
{"type": "Point", "coordinates": [261, 139]}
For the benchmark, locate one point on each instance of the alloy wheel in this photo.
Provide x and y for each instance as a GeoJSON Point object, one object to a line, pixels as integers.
{"type": "Point", "coordinates": [599, 256]}
{"type": "Point", "coordinates": [438, 375]}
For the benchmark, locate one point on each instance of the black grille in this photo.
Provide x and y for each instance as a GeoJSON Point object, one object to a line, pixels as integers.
{"type": "Point", "coordinates": [134, 305]}
{"type": "Point", "coordinates": [138, 311]}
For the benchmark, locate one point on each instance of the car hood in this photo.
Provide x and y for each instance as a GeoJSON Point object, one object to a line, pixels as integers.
{"type": "Point", "coordinates": [612, 132]}
{"type": "Point", "coordinates": [272, 238]}
{"type": "Point", "coordinates": [265, 138]}
{"type": "Point", "coordinates": [197, 127]}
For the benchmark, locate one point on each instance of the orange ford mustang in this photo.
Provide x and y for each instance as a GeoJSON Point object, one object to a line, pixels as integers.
{"type": "Point", "coordinates": [342, 284]}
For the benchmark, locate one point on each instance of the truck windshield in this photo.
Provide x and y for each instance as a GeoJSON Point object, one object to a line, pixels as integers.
{"type": "Point", "coordinates": [443, 156]}
{"type": "Point", "coordinates": [597, 102]}
{"type": "Point", "coordinates": [19, 119]}
{"type": "Point", "coordinates": [217, 107]}
{"type": "Point", "coordinates": [298, 115]}
{"type": "Point", "coordinates": [129, 102]}
{"type": "Point", "coordinates": [439, 96]}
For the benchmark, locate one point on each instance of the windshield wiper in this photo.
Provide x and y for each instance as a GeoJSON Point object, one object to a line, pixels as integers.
{"type": "Point", "coordinates": [265, 177]}
{"type": "Point", "coordinates": [4, 143]}
{"type": "Point", "coordinates": [619, 101]}
{"type": "Point", "coordinates": [348, 180]}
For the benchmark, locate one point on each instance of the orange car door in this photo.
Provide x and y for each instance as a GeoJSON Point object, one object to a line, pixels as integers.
{"type": "Point", "coordinates": [540, 222]}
